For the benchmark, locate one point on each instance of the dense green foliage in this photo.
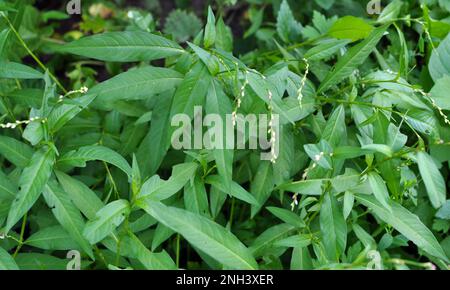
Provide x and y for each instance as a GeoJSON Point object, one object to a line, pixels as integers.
{"type": "Point", "coordinates": [360, 179]}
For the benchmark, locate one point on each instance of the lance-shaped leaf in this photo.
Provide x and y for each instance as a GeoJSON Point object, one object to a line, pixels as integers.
{"type": "Point", "coordinates": [127, 46]}
{"type": "Point", "coordinates": [432, 177]}
{"type": "Point", "coordinates": [218, 103]}
{"type": "Point", "coordinates": [352, 59]}
{"type": "Point", "coordinates": [333, 227]}
{"type": "Point", "coordinates": [406, 223]}
{"type": "Point", "coordinates": [439, 65]}
{"type": "Point", "coordinates": [159, 189]}
{"type": "Point", "coordinates": [270, 236]}
{"type": "Point", "coordinates": [6, 261]}
{"type": "Point", "coordinates": [135, 84]}
{"type": "Point", "coordinates": [7, 188]}
{"type": "Point", "coordinates": [262, 185]}
{"type": "Point", "coordinates": [196, 198]}
{"type": "Point", "coordinates": [12, 70]}
{"type": "Point", "coordinates": [210, 237]}
{"type": "Point", "coordinates": [16, 152]}
{"type": "Point", "coordinates": [287, 216]}
{"type": "Point", "coordinates": [78, 158]}
{"type": "Point", "coordinates": [32, 182]}
{"type": "Point", "coordinates": [379, 189]}
{"type": "Point", "coordinates": [236, 190]}
{"type": "Point", "coordinates": [67, 214]}
{"type": "Point", "coordinates": [53, 238]}
{"type": "Point", "coordinates": [82, 196]}
{"type": "Point", "coordinates": [107, 220]}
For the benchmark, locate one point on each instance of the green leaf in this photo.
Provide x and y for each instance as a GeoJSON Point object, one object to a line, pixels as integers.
{"type": "Point", "coordinates": [134, 248]}
{"type": "Point", "coordinates": [210, 29]}
{"type": "Point", "coordinates": [432, 177]}
{"type": "Point", "coordinates": [37, 261]}
{"type": "Point", "coordinates": [307, 187]}
{"type": "Point", "coordinates": [78, 158]}
{"type": "Point", "coordinates": [287, 27]}
{"type": "Point", "coordinates": [16, 152]}
{"type": "Point", "coordinates": [82, 196]}
{"type": "Point", "coordinates": [235, 190]}
{"type": "Point", "coordinates": [269, 237]}
{"type": "Point", "coordinates": [350, 27]}
{"type": "Point", "coordinates": [139, 83]}
{"type": "Point", "coordinates": [128, 46]}
{"type": "Point", "coordinates": [107, 219]}
{"type": "Point", "coordinates": [218, 103]}
{"type": "Point", "coordinates": [211, 238]}
{"type": "Point", "coordinates": [6, 261]}
{"type": "Point", "coordinates": [297, 241]}
{"type": "Point", "coordinates": [12, 70]}
{"type": "Point", "coordinates": [439, 65]}
{"type": "Point", "coordinates": [379, 189]}
{"type": "Point", "coordinates": [287, 216]}
{"type": "Point", "coordinates": [32, 182]}
{"type": "Point", "coordinates": [407, 224]}
{"type": "Point", "coordinates": [262, 185]}
{"type": "Point", "coordinates": [352, 59]}
{"type": "Point", "coordinates": [53, 238]}
{"type": "Point", "coordinates": [439, 93]}
{"type": "Point", "coordinates": [7, 188]}
{"type": "Point", "coordinates": [224, 37]}
{"type": "Point", "coordinates": [157, 189]}
{"type": "Point", "coordinates": [333, 227]}
{"type": "Point", "coordinates": [67, 214]}
{"type": "Point", "coordinates": [196, 198]}
{"type": "Point", "coordinates": [325, 50]}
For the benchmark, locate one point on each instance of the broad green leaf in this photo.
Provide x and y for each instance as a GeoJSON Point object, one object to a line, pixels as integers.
{"type": "Point", "coordinates": [432, 177]}
{"type": "Point", "coordinates": [6, 261]}
{"type": "Point", "coordinates": [287, 216]}
{"type": "Point", "coordinates": [16, 152]}
{"type": "Point", "coordinates": [439, 93]}
{"type": "Point", "coordinates": [307, 187]}
{"type": "Point", "coordinates": [205, 234]}
{"type": "Point", "coordinates": [12, 70]}
{"type": "Point", "coordinates": [224, 36]}
{"type": "Point", "coordinates": [352, 59]}
{"type": "Point", "coordinates": [151, 260]}
{"type": "Point", "coordinates": [287, 27]}
{"type": "Point", "coordinates": [210, 29]}
{"type": "Point", "coordinates": [350, 27]}
{"type": "Point", "coordinates": [7, 188]}
{"type": "Point", "coordinates": [333, 227]}
{"type": "Point", "coordinates": [139, 83]}
{"type": "Point", "coordinates": [262, 185]}
{"type": "Point", "coordinates": [218, 103]}
{"type": "Point", "coordinates": [297, 241]}
{"type": "Point", "coordinates": [196, 198]}
{"type": "Point", "coordinates": [379, 189]}
{"type": "Point", "coordinates": [38, 261]}
{"type": "Point", "coordinates": [269, 237]}
{"type": "Point", "coordinates": [325, 50]}
{"type": "Point", "coordinates": [82, 196]}
{"type": "Point", "coordinates": [53, 238]}
{"type": "Point", "coordinates": [439, 65]}
{"type": "Point", "coordinates": [32, 182]}
{"type": "Point", "coordinates": [128, 46]}
{"type": "Point", "coordinates": [235, 190]}
{"type": "Point", "coordinates": [67, 214]}
{"type": "Point", "coordinates": [78, 158]}
{"type": "Point", "coordinates": [107, 219]}
{"type": "Point", "coordinates": [158, 189]}
{"type": "Point", "coordinates": [407, 224]}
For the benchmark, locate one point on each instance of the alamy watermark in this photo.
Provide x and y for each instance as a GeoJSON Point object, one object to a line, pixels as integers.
{"type": "Point", "coordinates": [73, 7]}
{"type": "Point", "coordinates": [235, 131]}
{"type": "Point", "coordinates": [374, 7]}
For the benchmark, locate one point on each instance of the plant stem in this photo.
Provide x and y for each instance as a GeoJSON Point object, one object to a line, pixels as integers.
{"type": "Point", "coordinates": [22, 232]}
{"type": "Point", "coordinates": [36, 59]}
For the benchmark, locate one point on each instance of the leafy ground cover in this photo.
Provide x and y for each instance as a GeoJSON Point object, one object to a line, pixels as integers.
{"type": "Point", "coordinates": [357, 99]}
